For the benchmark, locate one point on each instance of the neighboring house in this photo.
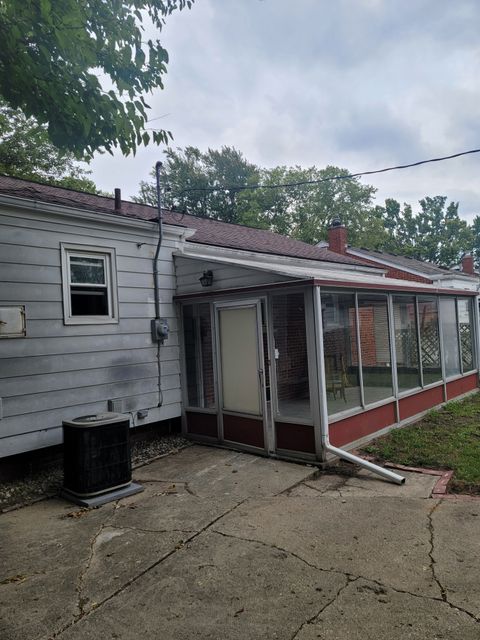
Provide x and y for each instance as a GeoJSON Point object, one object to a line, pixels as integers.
{"type": "Point", "coordinates": [271, 340]}
{"type": "Point", "coordinates": [397, 266]}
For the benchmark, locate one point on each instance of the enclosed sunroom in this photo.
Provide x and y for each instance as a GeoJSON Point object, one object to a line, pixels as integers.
{"type": "Point", "coordinates": [279, 357]}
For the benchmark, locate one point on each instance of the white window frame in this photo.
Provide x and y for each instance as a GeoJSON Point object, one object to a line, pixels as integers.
{"type": "Point", "coordinates": [109, 259]}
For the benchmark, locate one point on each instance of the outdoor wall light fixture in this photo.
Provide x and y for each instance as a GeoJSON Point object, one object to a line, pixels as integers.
{"type": "Point", "coordinates": [207, 279]}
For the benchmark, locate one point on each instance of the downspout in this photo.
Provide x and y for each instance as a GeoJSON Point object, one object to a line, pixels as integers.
{"type": "Point", "coordinates": [156, 287]}
{"type": "Point", "coordinates": [340, 453]}
{"type": "Point", "coordinates": [159, 326]}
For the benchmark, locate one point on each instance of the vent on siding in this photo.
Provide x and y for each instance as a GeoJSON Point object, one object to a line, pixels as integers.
{"type": "Point", "coordinates": [116, 406]}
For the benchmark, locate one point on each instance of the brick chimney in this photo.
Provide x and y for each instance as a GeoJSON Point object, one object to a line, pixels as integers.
{"type": "Point", "coordinates": [337, 236]}
{"type": "Point", "coordinates": [467, 264]}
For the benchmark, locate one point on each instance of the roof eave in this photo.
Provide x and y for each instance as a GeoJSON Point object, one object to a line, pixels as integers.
{"type": "Point", "coordinates": [193, 248]}
{"type": "Point", "coordinates": [61, 210]}
{"type": "Point", "coordinates": [392, 265]}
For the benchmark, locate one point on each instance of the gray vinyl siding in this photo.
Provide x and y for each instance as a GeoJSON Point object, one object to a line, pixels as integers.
{"type": "Point", "coordinates": [60, 371]}
{"type": "Point", "coordinates": [189, 270]}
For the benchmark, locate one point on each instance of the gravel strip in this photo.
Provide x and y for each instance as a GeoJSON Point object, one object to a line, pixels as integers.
{"type": "Point", "coordinates": [47, 483]}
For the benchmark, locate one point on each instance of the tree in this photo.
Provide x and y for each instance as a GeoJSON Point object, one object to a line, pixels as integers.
{"type": "Point", "coordinates": [306, 211]}
{"type": "Point", "coordinates": [476, 239]}
{"type": "Point", "coordinates": [436, 233]}
{"type": "Point", "coordinates": [26, 152]}
{"type": "Point", "coordinates": [303, 211]}
{"type": "Point", "coordinates": [190, 174]}
{"type": "Point", "coordinates": [53, 52]}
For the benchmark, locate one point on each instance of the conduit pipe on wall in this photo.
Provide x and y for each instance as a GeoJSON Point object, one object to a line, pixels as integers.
{"type": "Point", "coordinates": [156, 286]}
{"type": "Point", "coordinates": [340, 453]}
{"type": "Point", "coordinates": [159, 327]}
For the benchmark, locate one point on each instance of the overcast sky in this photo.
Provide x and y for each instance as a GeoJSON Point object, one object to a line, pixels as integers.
{"type": "Point", "coordinates": [360, 84]}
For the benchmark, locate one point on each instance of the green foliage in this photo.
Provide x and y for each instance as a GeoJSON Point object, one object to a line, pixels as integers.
{"type": "Point", "coordinates": [303, 212]}
{"type": "Point", "coordinates": [435, 234]}
{"type": "Point", "coordinates": [445, 439]}
{"type": "Point", "coordinates": [26, 152]}
{"type": "Point", "coordinates": [311, 208]}
{"type": "Point", "coordinates": [51, 56]}
{"type": "Point", "coordinates": [476, 238]}
{"type": "Point", "coordinates": [190, 169]}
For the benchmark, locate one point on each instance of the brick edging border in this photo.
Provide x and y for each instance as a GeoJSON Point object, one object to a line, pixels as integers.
{"type": "Point", "coordinates": [441, 485]}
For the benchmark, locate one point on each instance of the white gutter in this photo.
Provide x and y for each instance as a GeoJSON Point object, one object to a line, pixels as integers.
{"type": "Point", "coordinates": [322, 272]}
{"type": "Point", "coordinates": [325, 439]}
{"type": "Point", "coordinates": [452, 275]}
{"type": "Point", "coordinates": [392, 265]}
{"type": "Point", "coordinates": [193, 249]}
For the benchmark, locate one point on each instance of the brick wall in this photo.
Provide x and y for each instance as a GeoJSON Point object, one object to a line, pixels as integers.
{"type": "Point", "coordinates": [291, 343]}
{"type": "Point", "coordinates": [367, 337]}
{"type": "Point", "coordinates": [197, 327]}
{"type": "Point", "coordinates": [392, 272]}
{"type": "Point", "coordinates": [207, 355]}
{"type": "Point", "coordinates": [340, 342]}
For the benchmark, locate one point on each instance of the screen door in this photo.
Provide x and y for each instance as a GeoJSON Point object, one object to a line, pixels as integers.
{"type": "Point", "coordinates": [241, 373]}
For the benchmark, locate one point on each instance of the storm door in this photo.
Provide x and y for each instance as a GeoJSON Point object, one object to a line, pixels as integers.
{"type": "Point", "coordinates": [241, 373]}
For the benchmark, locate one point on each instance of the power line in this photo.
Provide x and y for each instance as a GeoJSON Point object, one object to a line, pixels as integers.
{"type": "Point", "coordinates": [347, 176]}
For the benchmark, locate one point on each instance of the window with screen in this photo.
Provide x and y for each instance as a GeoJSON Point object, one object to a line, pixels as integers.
{"type": "Point", "coordinates": [89, 286]}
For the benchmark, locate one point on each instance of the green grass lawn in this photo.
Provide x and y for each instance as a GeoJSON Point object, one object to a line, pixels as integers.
{"type": "Point", "coordinates": [445, 439]}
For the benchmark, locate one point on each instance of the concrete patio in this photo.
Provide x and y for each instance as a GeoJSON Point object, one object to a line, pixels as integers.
{"type": "Point", "coordinates": [224, 545]}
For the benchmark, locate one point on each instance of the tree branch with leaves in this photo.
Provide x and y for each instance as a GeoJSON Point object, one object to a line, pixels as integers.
{"type": "Point", "coordinates": [53, 53]}
{"type": "Point", "coordinates": [26, 152]}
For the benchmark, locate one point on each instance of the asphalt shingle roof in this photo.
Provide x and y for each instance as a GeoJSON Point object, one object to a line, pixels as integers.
{"type": "Point", "coordinates": [426, 268]}
{"type": "Point", "coordinates": [208, 231]}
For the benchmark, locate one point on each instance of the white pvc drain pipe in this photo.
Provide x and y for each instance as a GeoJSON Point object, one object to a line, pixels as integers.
{"type": "Point", "coordinates": [340, 453]}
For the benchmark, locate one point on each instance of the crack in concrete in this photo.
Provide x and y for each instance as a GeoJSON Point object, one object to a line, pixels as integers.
{"type": "Point", "coordinates": [337, 488]}
{"type": "Point", "coordinates": [306, 483]}
{"type": "Point", "coordinates": [286, 492]}
{"type": "Point", "coordinates": [433, 562]}
{"type": "Point", "coordinates": [277, 548]}
{"type": "Point", "coordinates": [323, 608]}
{"type": "Point", "coordinates": [443, 592]}
{"type": "Point", "coordinates": [80, 586]}
{"type": "Point", "coordinates": [184, 483]}
{"type": "Point", "coordinates": [310, 486]}
{"type": "Point", "coordinates": [83, 613]}
{"type": "Point", "coordinates": [349, 579]}
{"type": "Point", "coordinates": [350, 576]}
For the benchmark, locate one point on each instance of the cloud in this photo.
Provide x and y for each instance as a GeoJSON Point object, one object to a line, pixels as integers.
{"type": "Point", "coordinates": [359, 84]}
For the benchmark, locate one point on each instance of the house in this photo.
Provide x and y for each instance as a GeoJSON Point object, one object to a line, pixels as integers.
{"type": "Point", "coordinates": [274, 346]}
{"type": "Point", "coordinates": [397, 266]}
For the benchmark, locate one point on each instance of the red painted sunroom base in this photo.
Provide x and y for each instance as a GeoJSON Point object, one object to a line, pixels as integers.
{"type": "Point", "coordinates": [243, 430]}
{"type": "Point", "coordinates": [300, 438]}
{"type": "Point", "coordinates": [363, 424]}
{"type": "Point", "coordinates": [462, 385]}
{"type": "Point", "coordinates": [202, 424]}
{"type": "Point", "coordinates": [419, 402]}
{"type": "Point", "coordinates": [295, 437]}
{"type": "Point", "coordinates": [367, 423]}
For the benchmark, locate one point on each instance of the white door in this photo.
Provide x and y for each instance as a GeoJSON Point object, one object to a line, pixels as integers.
{"type": "Point", "coordinates": [241, 373]}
